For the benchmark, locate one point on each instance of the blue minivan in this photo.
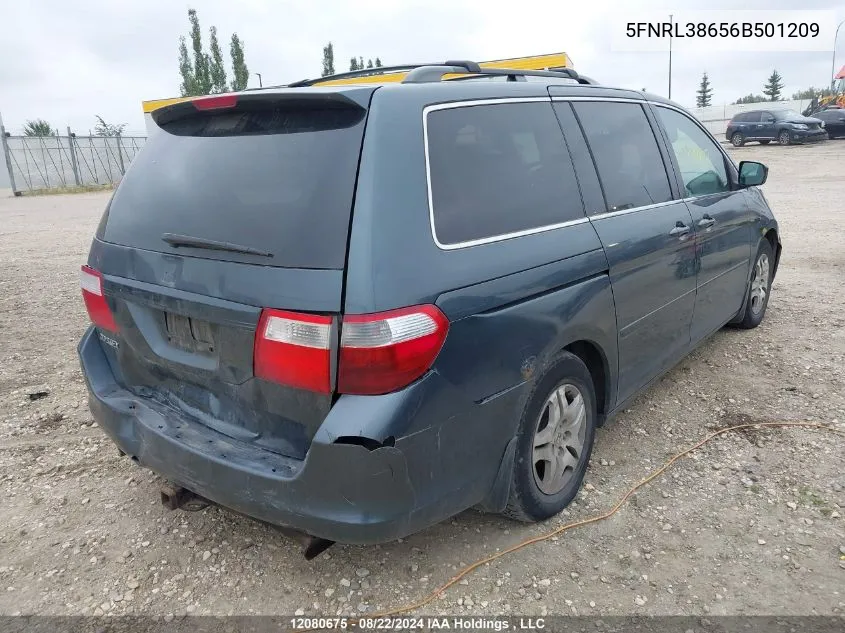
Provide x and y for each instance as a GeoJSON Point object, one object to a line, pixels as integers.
{"type": "Point", "coordinates": [357, 310]}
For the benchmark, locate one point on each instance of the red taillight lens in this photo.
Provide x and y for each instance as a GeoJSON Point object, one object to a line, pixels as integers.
{"type": "Point", "coordinates": [293, 349]}
{"type": "Point", "coordinates": [91, 282]}
{"type": "Point", "coordinates": [386, 351]}
{"type": "Point", "coordinates": [220, 102]}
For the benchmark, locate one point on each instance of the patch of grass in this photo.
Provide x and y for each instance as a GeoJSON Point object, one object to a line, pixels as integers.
{"type": "Point", "coordinates": [809, 497]}
{"type": "Point", "coordinates": [53, 191]}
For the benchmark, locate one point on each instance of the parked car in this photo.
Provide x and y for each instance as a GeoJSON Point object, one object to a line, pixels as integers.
{"type": "Point", "coordinates": [834, 121]}
{"type": "Point", "coordinates": [358, 310]}
{"type": "Point", "coordinates": [765, 126]}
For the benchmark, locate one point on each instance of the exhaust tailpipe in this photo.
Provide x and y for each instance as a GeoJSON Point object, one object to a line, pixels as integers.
{"type": "Point", "coordinates": [174, 497]}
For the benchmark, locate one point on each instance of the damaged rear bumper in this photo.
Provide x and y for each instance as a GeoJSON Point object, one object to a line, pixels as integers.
{"type": "Point", "coordinates": [340, 492]}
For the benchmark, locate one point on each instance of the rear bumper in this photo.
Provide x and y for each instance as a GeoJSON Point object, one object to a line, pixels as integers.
{"type": "Point", "coordinates": [341, 492]}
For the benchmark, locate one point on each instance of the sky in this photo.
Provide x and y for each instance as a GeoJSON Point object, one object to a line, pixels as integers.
{"type": "Point", "coordinates": [68, 60]}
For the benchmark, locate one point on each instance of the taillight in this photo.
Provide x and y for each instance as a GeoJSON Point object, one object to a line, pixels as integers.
{"type": "Point", "coordinates": [293, 349]}
{"type": "Point", "coordinates": [91, 282]}
{"type": "Point", "coordinates": [386, 351]}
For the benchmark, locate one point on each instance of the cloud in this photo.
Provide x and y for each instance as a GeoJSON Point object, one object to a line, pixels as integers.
{"type": "Point", "coordinates": [67, 61]}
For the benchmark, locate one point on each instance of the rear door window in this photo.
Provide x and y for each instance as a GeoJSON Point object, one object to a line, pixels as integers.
{"type": "Point", "coordinates": [496, 170]}
{"type": "Point", "coordinates": [275, 177]}
{"type": "Point", "coordinates": [626, 154]}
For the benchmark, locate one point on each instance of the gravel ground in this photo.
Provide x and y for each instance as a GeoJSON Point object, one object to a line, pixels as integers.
{"type": "Point", "coordinates": [751, 524]}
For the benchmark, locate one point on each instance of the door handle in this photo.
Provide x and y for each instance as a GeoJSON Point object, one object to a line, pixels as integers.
{"type": "Point", "coordinates": [680, 229]}
{"type": "Point", "coordinates": [706, 222]}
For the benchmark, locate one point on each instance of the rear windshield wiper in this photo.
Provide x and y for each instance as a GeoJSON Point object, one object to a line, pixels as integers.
{"type": "Point", "coordinates": [176, 240]}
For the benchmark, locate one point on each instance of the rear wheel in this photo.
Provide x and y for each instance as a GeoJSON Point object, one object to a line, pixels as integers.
{"type": "Point", "coordinates": [759, 289]}
{"type": "Point", "coordinates": [764, 142]}
{"type": "Point", "coordinates": [554, 442]}
{"type": "Point", "coordinates": [738, 140]}
{"type": "Point", "coordinates": [784, 138]}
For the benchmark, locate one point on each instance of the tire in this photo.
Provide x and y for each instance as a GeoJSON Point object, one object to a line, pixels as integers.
{"type": "Point", "coordinates": [784, 138]}
{"type": "Point", "coordinates": [537, 490]}
{"type": "Point", "coordinates": [764, 142]}
{"type": "Point", "coordinates": [737, 139]}
{"type": "Point", "coordinates": [756, 303]}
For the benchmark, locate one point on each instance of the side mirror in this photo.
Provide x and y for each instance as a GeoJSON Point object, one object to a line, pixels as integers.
{"type": "Point", "coordinates": [752, 173]}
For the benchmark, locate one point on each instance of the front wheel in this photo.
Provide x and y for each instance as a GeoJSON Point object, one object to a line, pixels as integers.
{"type": "Point", "coordinates": [554, 442]}
{"type": "Point", "coordinates": [784, 138]}
{"type": "Point", "coordinates": [738, 140]}
{"type": "Point", "coordinates": [759, 289]}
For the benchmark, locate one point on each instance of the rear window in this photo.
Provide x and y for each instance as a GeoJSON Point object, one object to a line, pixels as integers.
{"type": "Point", "coordinates": [273, 177]}
{"type": "Point", "coordinates": [496, 170]}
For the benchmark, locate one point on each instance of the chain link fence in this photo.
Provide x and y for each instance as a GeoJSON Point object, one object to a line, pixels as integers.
{"type": "Point", "coordinates": [38, 163]}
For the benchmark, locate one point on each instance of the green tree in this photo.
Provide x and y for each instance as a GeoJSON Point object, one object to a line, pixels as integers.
{"type": "Point", "coordinates": [750, 98]}
{"type": "Point", "coordinates": [186, 70]}
{"type": "Point", "coordinates": [378, 63]}
{"type": "Point", "coordinates": [369, 63]}
{"type": "Point", "coordinates": [773, 86]}
{"type": "Point", "coordinates": [328, 60]}
{"type": "Point", "coordinates": [361, 63]}
{"type": "Point", "coordinates": [353, 64]}
{"type": "Point", "coordinates": [240, 72]}
{"type": "Point", "coordinates": [811, 93]}
{"type": "Point", "coordinates": [202, 78]}
{"type": "Point", "coordinates": [704, 94]}
{"type": "Point", "coordinates": [39, 127]}
{"type": "Point", "coordinates": [108, 129]}
{"type": "Point", "coordinates": [216, 70]}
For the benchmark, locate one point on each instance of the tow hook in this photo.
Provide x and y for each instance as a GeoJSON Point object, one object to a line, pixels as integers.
{"type": "Point", "coordinates": [175, 497]}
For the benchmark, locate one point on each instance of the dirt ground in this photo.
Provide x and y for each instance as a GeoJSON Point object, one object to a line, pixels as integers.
{"type": "Point", "coordinates": [751, 524]}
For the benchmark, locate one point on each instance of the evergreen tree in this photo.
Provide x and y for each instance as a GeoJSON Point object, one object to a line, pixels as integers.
{"type": "Point", "coordinates": [240, 72]}
{"type": "Point", "coordinates": [202, 78]}
{"type": "Point", "coordinates": [216, 70]}
{"type": "Point", "coordinates": [378, 63]}
{"type": "Point", "coordinates": [39, 127]}
{"type": "Point", "coordinates": [188, 85]}
{"type": "Point", "coordinates": [353, 64]}
{"type": "Point", "coordinates": [361, 63]}
{"type": "Point", "coordinates": [750, 98]}
{"type": "Point", "coordinates": [328, 60]}
{"type": "Point", "coordinates": [773, 86]}
{"type": "Point", "coordinates": [705, 92]}
{"type": "Point", "coordinates": [369, 63]}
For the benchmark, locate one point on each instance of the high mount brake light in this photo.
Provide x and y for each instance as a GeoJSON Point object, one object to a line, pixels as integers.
{"type": "Point", "coordinates": [220, 102]}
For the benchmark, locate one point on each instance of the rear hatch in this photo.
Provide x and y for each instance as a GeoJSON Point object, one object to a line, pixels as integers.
{"type": "Point", "coordinates": [237, 203]}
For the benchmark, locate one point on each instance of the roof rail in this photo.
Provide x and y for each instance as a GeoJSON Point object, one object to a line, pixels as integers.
{"type": "Point", "coordinates": [364, 72]}
{"type": "Point", "coordinates": [434, 72]}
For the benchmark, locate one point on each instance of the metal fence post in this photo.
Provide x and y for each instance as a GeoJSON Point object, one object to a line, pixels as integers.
{"type": "Point", "coordinates": [73, 163]}
{"type": "Point", "coordinates": [7, 156]}
{"type": "Point", "coordinates": [120, 155]}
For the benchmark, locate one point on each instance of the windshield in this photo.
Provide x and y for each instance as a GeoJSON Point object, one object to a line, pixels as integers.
{"type": "Point", "coordinates": [785, 115]}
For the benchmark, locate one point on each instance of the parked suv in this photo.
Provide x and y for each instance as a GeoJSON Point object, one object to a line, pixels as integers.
{"type": "Point", "coordinates": [834, 121]}
{"type": "Point", "coordinates": [765, 126]}
{"type": "Point", "coordinates": [358, 310]}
